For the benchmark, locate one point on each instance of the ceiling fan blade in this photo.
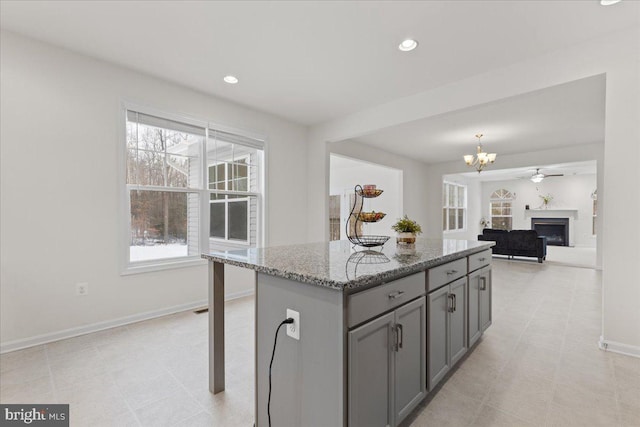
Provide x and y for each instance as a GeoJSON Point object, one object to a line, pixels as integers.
{"type": "Point", "coordinates": [555, 174]}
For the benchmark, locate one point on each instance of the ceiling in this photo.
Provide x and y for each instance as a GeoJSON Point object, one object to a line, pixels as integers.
{"type": "Point", "coordinates": [314, 61]}
{"type": "Point", "coordinates": [568, 114]}
{"type": "Point", "coordinates": [567, 169]}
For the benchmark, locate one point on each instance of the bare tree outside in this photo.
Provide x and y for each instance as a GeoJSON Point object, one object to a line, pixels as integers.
{"type": "Point", "coordinates": [157, 217]}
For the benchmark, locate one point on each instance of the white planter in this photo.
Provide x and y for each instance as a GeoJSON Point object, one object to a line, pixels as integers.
{"type": "Point", "coordinates": [405, 238]}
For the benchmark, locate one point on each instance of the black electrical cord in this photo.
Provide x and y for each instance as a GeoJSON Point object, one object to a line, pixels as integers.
{"type": "Point", "coordinates": [275, 341]}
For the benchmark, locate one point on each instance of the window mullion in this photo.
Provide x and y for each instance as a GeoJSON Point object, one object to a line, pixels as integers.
{"type": "Point", "coordinates": [226, 218]}
{"type": "Point", "coordinates": [205, 198]}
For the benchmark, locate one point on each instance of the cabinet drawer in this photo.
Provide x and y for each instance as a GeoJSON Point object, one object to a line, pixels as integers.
{"type": "Point", "coordinates": [372, 302]}
{"type": "Point", "coordinates": [479, 260]}
{"type": "Point", "coordinates": [446, 273]}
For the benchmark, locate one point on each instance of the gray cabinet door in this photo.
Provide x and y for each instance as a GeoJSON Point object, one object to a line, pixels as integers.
{"type": "Point", "coordinates": [473, 308]}
{"type": "Point", "coordinates": [485, 298]}
{"type": "Point", "coordinates": [411, 357]}
{"type": "Point", "coordinates": [371, 373]}
{"type": "Point", "coordinates": [437, 336]}
{"type": "Point", "coordinates": [458, 322]}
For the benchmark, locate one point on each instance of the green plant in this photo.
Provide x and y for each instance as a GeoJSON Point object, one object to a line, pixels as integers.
{"type": "Point", "coordinates": [406, 225]}
{"type": "Point", "coordinates": [546, 199]}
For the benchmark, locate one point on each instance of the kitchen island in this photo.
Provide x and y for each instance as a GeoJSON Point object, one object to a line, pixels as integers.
{"type": "Point", "coordinates": [378, 328]}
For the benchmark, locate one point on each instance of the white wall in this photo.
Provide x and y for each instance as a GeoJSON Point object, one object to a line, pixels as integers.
{"type": "Point", "coordinates": [618, 57]}
{"type": "Point", "coordinates": [351, 172]}
{"type": "Point", "coordinates": [569, 192]}
{"type": "Point", "coordinates": [60, 137]}
{"type": "Point", "coordinates": [414, 197]}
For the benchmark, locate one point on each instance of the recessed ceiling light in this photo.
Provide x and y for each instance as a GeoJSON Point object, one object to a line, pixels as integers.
{"type": "Point", "coordinates": [609, 2]}
{"type": "Point", "coordinates": [407, 45]}
{"type": "Point", "coordinates": [231, 79]}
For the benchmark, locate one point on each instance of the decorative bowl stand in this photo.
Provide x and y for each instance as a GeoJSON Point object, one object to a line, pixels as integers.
{"type": "Point", "coordinates": [366, 240]}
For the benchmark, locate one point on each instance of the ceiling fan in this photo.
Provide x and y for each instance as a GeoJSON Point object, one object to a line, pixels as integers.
{"type": "Point", "coordinates": [538, 177]}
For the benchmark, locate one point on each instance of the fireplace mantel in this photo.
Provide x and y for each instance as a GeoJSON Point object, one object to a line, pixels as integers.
{"type": "Point", "coordinates": [551, 213]}
{"type": "Point", "coordinates": [572, 214]}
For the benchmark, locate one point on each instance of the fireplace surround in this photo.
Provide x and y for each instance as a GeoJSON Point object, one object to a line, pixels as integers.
{"type": "Point", "coordinates": [556, 230]}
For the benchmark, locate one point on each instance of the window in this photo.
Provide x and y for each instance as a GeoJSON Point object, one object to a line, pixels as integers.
{"type": "Point", "coordinates": [594, 216]}
{"type": "Point", "coordinates": [189, 188]}
{"type": "Point", "coordinates": [454, 210]}
{"type": "Point", "coordinates": [233, 167]}
{"type": "Point", "coordinates": [501, 209]}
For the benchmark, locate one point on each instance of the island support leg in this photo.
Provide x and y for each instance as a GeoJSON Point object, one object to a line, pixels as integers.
{"type": "Point", "coordinates": [216, 327]}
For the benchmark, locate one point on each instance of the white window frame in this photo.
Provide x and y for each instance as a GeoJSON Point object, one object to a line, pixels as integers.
{"type": "Point", "coordinates": [249, 195]}
{"type": "Point", "coordinates": [594, 214]}
{"type": "Point", "coordinates": [226, 238]}
{"type": "Point", "coordinates": [493, 200]}
{"type": "Point", "coordinates": [447, 206]}
{"type": "Point", "coordinates": [126, 266]}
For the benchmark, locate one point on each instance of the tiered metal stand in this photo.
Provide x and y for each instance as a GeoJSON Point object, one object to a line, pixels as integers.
{"type": "Point", "coordinates": [366, 240]}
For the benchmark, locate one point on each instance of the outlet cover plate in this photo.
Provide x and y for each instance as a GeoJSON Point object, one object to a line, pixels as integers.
{"type": "Point", "coordinates": [293, 329]}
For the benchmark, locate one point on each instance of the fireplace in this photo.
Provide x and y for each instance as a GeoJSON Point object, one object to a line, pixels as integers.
{"type": "Point", "coordinates": [556, 230]}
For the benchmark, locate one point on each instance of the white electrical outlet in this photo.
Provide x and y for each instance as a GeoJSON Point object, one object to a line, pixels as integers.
{"type": "Point", "coordinates": [82, 289]}
{"type": "Point", "coordinates": [293, 329]}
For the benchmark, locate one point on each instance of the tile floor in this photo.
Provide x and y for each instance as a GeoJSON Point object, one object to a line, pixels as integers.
{"type": "Point", "coordinates": [537, 365]}
{"type": "Point", "coordinates": [571, 256]}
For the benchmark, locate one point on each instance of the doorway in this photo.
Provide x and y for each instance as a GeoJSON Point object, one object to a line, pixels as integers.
{"type": "Point", "coordinates": [344, 174]}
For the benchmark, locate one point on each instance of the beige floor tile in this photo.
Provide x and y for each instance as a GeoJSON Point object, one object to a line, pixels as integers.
{"type": "Point", "coordinates": [26, 358]}
{"type": "Point", "coordinates": [96, 398]}
{"type": "Point", "coordinates": [492, 417]}
{"type": "Point", "coordinates": [24, 374]}
{"type": "Point", "coordinates": [448, 408]}
{"type": "Point", "coordinates": [580, 397]}
{"type": "Point", "coordinates": [60, 349]}
{"type": "Point", "coordinates": [629, 415]}
{"type": "Point", "coordinates": [560, 416]}
{"type": "Point", "coordinates": [472, 383]}
{"type": "Point", "coordinates": [201, 419]}
{"type": "Point", "coordinates": [127, 419]}
{"type": "Point", "coordinates": [169, 411]}
{"type": "Point", "coordinates": [149, 390]}
{"type": "Point", "coordinates": [627, 386]}
{"type": "Point", "coordinates": [136, 373]}
{"type": "Point", "coordinates": [624, 361]}
{"type": "Point", "coordinates": [523, 395]}
{"type": "Point", "coordinates": [593, 376]}
{"type": "Point", "coordinates": [28, 397]}
{"type": "Point", "coordinates": [38, 388]}
{"type": "Point", "coordinates": [77, 367]}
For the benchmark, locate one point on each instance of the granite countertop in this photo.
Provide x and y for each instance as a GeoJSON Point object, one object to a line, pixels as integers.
{"type": "Point", "coordinates": [339, 266]}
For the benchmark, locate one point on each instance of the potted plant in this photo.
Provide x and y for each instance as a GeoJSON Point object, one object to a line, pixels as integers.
{"type": "Point", "coordinates": [546, 200]}
{"type": "Point", "coordinates": [407, 230]}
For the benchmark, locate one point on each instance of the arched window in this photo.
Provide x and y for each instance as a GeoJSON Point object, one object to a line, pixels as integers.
{"type": "Point", "coordinates": [501, 209]}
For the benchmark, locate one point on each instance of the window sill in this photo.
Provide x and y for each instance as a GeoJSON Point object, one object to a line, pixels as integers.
{"type": "Point", "coordinates": [159, 265]}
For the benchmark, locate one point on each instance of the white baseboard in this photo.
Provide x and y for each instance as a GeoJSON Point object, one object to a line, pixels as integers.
{"type": "Point", "coordinates": [617, 347]}
{"type": "Point", "coordinates": [108, 324]}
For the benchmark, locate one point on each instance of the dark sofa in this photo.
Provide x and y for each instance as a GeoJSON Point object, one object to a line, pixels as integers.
{"type": "Point", "coordinates": [516, 243]}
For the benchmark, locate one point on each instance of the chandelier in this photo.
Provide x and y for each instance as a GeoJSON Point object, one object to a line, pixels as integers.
{"type": "Point", "coordinates": [480, 159]}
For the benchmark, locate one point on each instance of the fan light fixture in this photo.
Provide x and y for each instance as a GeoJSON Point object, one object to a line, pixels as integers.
{"type": "Point", "coordinates": [609, 2]}
{"type": "Point", "coordinates": [538, 177]}
{"type": "Point", "coordinates": [480, 159]}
